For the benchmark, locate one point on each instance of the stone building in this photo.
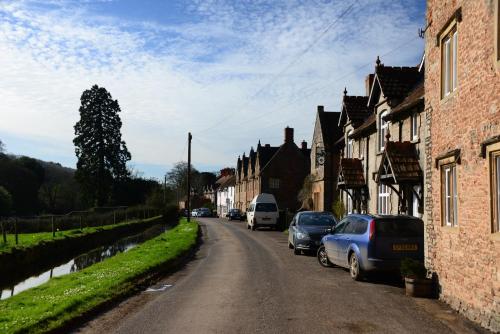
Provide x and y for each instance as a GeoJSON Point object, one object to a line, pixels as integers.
{"type": "Point", "coordinates": [462, 97]}
{"type": "Point", "coordinates": [275, 170]}
{"type": "Point", "coordinates": [381, 169]}
{"type": "Point", "coordinates": [325, 159]}
{"type": "Point", "coordinates": [225, 192]}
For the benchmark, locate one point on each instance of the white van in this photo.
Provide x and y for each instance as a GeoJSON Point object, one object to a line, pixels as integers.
{"type": "Point", "coordinates": [263, 211]}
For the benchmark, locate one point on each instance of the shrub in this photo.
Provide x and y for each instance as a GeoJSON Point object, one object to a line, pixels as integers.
{"type": "Point", "coordinates": [338, 209]}
{"type": "Point", "coordinates": [413, 269]}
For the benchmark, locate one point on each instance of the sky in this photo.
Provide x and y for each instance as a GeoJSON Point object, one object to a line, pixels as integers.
{"type": "Point", "coordinates": [231, 72]}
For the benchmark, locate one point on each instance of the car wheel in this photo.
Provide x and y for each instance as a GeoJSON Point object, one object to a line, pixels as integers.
{"type": "Point", "coordinates": [254, 226]}
{"type": "Point", "coordinates": [323, 257]}
{"type": "Point", "coordinates": [296, 251]}
{"type": "Point", "coordinates": [354, 268]}
{"type": "Point", "coordinates": [248, 226]}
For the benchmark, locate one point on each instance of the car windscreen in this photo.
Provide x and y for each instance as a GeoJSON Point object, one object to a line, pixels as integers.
{"type": "Point", "coordinates": [266, 207]}
{"type": "Point", "coordinates": [411, 228]}
{"type": "Point", "coordinates": [234, 211]}
{"type": "Point", "coordinates": [316, 219]}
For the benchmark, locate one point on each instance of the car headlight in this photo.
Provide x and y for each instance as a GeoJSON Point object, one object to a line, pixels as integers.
{"type": "Point", "coordinates": [302, 236]}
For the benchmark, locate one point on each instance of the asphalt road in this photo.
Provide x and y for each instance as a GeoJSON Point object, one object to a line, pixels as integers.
{"type": "Point", "coordinates": [250, 282]}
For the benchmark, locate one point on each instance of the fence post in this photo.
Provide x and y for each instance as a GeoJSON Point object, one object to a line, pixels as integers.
{"type": "Point", "coordinates": [53, 229]}
{"type": "Point", "coordinates": [15, 231]}
{"type": "Point", "coordinates": [3, 232]}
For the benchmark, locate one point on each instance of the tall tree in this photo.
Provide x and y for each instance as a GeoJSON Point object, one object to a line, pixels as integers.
{"type": "Point", "coordinates": [2, 146]}
{"type": "Point", "coordinates": [102, 154]}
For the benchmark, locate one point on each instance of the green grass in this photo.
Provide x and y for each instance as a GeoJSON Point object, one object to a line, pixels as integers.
{"type": "Point", "coordinates": [31, 239]}
{"type": "Point", "coordinates": [54, 303]}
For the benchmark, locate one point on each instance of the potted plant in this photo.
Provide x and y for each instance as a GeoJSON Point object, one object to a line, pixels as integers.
{"type": "Point", "coordinates": [416, 282]}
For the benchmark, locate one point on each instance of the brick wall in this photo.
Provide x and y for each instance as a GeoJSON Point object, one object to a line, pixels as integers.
{"type": "Point", "coordinates": [466, 259]}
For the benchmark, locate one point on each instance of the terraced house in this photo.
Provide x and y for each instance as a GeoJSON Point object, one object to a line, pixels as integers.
{"type": "Point", "coordinates": [462, 99]}
{"type": "Point", "coordinates": [381, 170]}
{"type": "Point", "coordinates": [274, 170]}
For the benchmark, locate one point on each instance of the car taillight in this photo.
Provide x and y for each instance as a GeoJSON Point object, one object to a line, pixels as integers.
{"type": "Point", "coordinates": [372, 229]}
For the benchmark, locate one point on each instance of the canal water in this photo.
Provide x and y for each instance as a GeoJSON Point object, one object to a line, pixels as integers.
{"type": "Point", "coordinates": [83, 261]}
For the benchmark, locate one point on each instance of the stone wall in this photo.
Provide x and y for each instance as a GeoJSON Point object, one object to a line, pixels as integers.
{"type": "Point", "coordinates": [465, 258]}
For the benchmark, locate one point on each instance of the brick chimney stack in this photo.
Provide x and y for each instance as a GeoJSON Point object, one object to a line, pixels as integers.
{"type": "Point", "coordinates": [304, 145]}
{"type": "Point", "coordinates": [368, 83]}
{"type": "Point", "coordinates": [288, 135]}
{"type": "Point", "coordinates": [321, 108]}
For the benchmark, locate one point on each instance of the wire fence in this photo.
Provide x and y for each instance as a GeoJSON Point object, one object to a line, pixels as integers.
{"type": "Point", "coordinates": [74, 220]}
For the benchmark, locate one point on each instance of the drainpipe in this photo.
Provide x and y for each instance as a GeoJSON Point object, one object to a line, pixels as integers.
{"type": "Point", "coordinates": [366, 171]}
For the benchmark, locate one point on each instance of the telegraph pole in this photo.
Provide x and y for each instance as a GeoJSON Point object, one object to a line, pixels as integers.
{"type": "Point", "coordinates": [189, 179]}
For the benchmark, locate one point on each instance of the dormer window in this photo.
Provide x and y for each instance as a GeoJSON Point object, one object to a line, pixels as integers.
{"type": "Point", "coordinates": [383, 129]}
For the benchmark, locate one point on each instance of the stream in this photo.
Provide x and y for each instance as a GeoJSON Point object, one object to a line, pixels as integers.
{"type": "Point", "coordinates": [83, 261]}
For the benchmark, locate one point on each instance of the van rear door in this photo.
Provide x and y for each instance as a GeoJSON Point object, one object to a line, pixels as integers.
{"type": "Point", "coordinates": [397, 238]}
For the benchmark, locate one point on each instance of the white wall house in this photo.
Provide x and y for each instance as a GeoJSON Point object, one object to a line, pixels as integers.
{"type": "Point", "coordinates": [225, 195]}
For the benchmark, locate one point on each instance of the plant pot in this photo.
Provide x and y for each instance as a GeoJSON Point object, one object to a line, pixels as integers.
{"type": "Point", "coordinates": [419, 287]}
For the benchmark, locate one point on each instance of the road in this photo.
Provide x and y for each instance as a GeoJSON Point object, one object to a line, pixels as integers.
{"type": "Point", "coordinates": [250, 282]}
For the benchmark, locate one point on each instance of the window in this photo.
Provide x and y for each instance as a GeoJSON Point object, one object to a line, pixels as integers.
{"type": "Point", "coordinates": [383, 128]}
{"type": "Point", "coordinates": [414, 126]}
{"type": "Point", "coordinates": [449, 60]}
{"type": "Point", "coordinates": [497, 29]}
{"type": "Point", "coordinates": [274, 183]}
{"type": "Point", "coordinates": [495, 190]}
{"type": "Point", "coordinates": [383, 199]}
{"type": "Point", "coordinates": [350, 145]}
{"type": "Point", "coordinates": [350, 206]}
{"type": "Point", "coordinates": [415, 201]}
{"type": "Point", "coordinates": [449, 195]}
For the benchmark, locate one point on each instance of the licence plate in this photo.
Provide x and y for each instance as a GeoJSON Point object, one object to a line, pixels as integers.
{"type": "Point", "coordinates": [404, 247]}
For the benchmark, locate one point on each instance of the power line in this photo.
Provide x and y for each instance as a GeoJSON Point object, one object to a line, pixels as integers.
{"type": "Point", "coordinates": [288, 66]}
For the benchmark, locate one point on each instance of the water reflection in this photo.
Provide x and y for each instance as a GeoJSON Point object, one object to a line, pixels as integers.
{"type": "Point", "coordinates": [83, 261]}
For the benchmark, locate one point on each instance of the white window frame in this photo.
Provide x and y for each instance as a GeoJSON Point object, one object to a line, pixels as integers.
{"type": "Point", "coordinates": [350, 146]}
{"type": "Point", "coordinates": [495, 190]}
{"type": "Point", "coordinates": [449, 60]}
{"type": "Point", "coordinates": [384, 195]}
{"type": "Point", "coordinates": [350, 204]}
{"type": "Point", "coordinates": [449, 195]}
{"type": "Point", "coordinates": [414, 126]}
{"type": "Point", "coordinates": [416, 202]}
{"type": "Point", "coordinates": [383, 127]}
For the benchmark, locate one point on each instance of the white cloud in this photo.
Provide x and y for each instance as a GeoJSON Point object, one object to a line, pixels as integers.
{"type": "Point", "coordinates": [170, 79]}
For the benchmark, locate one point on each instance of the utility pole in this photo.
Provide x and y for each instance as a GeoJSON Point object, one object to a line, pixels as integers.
{"type": "Point", "coordinates": [189, 179]}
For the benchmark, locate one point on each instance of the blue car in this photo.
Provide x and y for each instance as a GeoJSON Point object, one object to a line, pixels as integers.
{"type": "Point", "coordinates": [307, 228]}
{"type": "Point", "coordinates": [365, 243]}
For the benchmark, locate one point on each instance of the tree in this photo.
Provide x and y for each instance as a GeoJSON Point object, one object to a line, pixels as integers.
{"type": "Point", "coordinates": [102, 155]}
{"type": "Point", "coordinates": [177, 178]}
{"type": "Point", "coordinates": [2, 147]}
{"type": "Point", "coordinates": [5, 202]}
{"type": "Point", "coordinates": [305, 194]}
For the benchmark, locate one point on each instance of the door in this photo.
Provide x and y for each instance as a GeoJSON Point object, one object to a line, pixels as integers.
{"type": "Point", "coordinates": [344, 241]}
{"type": "Point", "coordinates": [291, 230]}
{"type": "Point", "coordinates": [331, 244]}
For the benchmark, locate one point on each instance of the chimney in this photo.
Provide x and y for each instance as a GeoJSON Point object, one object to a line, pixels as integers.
{"type": "Point", "coordinates": [288, 135]}
{"type": "Point", "coordinates": [369, 83]}
{"type": "Point", "coordinates": [321, 108]}
{"type": "Point", "coordinates": [304, 145]}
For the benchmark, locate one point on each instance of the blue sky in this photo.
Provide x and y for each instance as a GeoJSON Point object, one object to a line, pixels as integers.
{"type": "Point", "coordinates": [231, 72]}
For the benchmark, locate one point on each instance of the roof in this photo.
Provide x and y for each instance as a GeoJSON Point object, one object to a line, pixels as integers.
{"type": "Point", "coordinates": [369, 126]}
{"type": "Point", "coordinates": [351, 174]}
{"type": "Point", "coordinates": [396, 82]}
{"type": "Point", "coordinates": [245, 165]}
{"type": "Point", "coordinates": [330, 129]}
{"type": "Point", "coordinates": [226, 181]}
{"type": "Point", "coordinates": [415, 98]}
{"type": "Point", "coordinates": [355, 107]}
{"type": "Point", "coordinates": [265, 153]}
{"type": "Point", "coordinates": [399, 164]}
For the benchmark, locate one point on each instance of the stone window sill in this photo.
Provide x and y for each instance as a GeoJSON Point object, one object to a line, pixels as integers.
{"type": "Point", "coordinates": [450, 229]}
{"type": "Point", "coordinates": [495, 236]}
{"type": "Point", "coordinates": [448, 98]}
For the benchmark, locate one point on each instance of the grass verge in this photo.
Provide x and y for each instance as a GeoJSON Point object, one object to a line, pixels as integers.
{"type": "Point", "coordinates": [56, 303]}
{"type": "Point", "coordinates": [31, 239]}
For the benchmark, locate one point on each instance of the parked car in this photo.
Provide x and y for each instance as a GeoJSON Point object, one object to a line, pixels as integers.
{"type": "Point", "coordinates": [204, 212]}
{"type": "Point", "coordinates": [234, 214]}
{"type": "Point", "coordinates": [365, 243]}
{"type": "Point", "coordinates": [194, 213]}
{"type": "Point", "coordinates": [263, 211]}
{"type": "Point", "coordinates": [308, 228]}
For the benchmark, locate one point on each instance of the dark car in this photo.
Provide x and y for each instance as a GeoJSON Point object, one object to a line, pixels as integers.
{"type": "Point", "coordinates": [307, 228]}
{"type": "Point", "coordinates": [365, 243]}
{"type": "Point", "coordinates": [204, 212]}
{"type": "Point", "coordinates": [234, 214]}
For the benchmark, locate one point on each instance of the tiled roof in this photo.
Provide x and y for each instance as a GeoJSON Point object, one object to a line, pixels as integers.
{"type": "Point", "coordinates": [399, 164]}
{"type": "Point", "coordinates": [351, 174]}
{"type": "Point", "coordinates": [414, 98]}
{"type": "Point", "coordinates": [265, 153]}
{"type": "Point", "coordinates": [369, 126]}
{"type": "Point", "coordinates": [329, 127]}
{"type": "Point", "coordinates": [226, 181]}
{"type": "Point", "coordinates": [396, 82]}
{"type": "Point", "coordinates": [355, 107]}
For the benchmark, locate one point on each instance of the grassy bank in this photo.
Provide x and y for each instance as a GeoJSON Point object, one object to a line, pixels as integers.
{"type": "Point", "coordinates": [55, 303]}
{"type": "Point", "coordinates": [32, 239]}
